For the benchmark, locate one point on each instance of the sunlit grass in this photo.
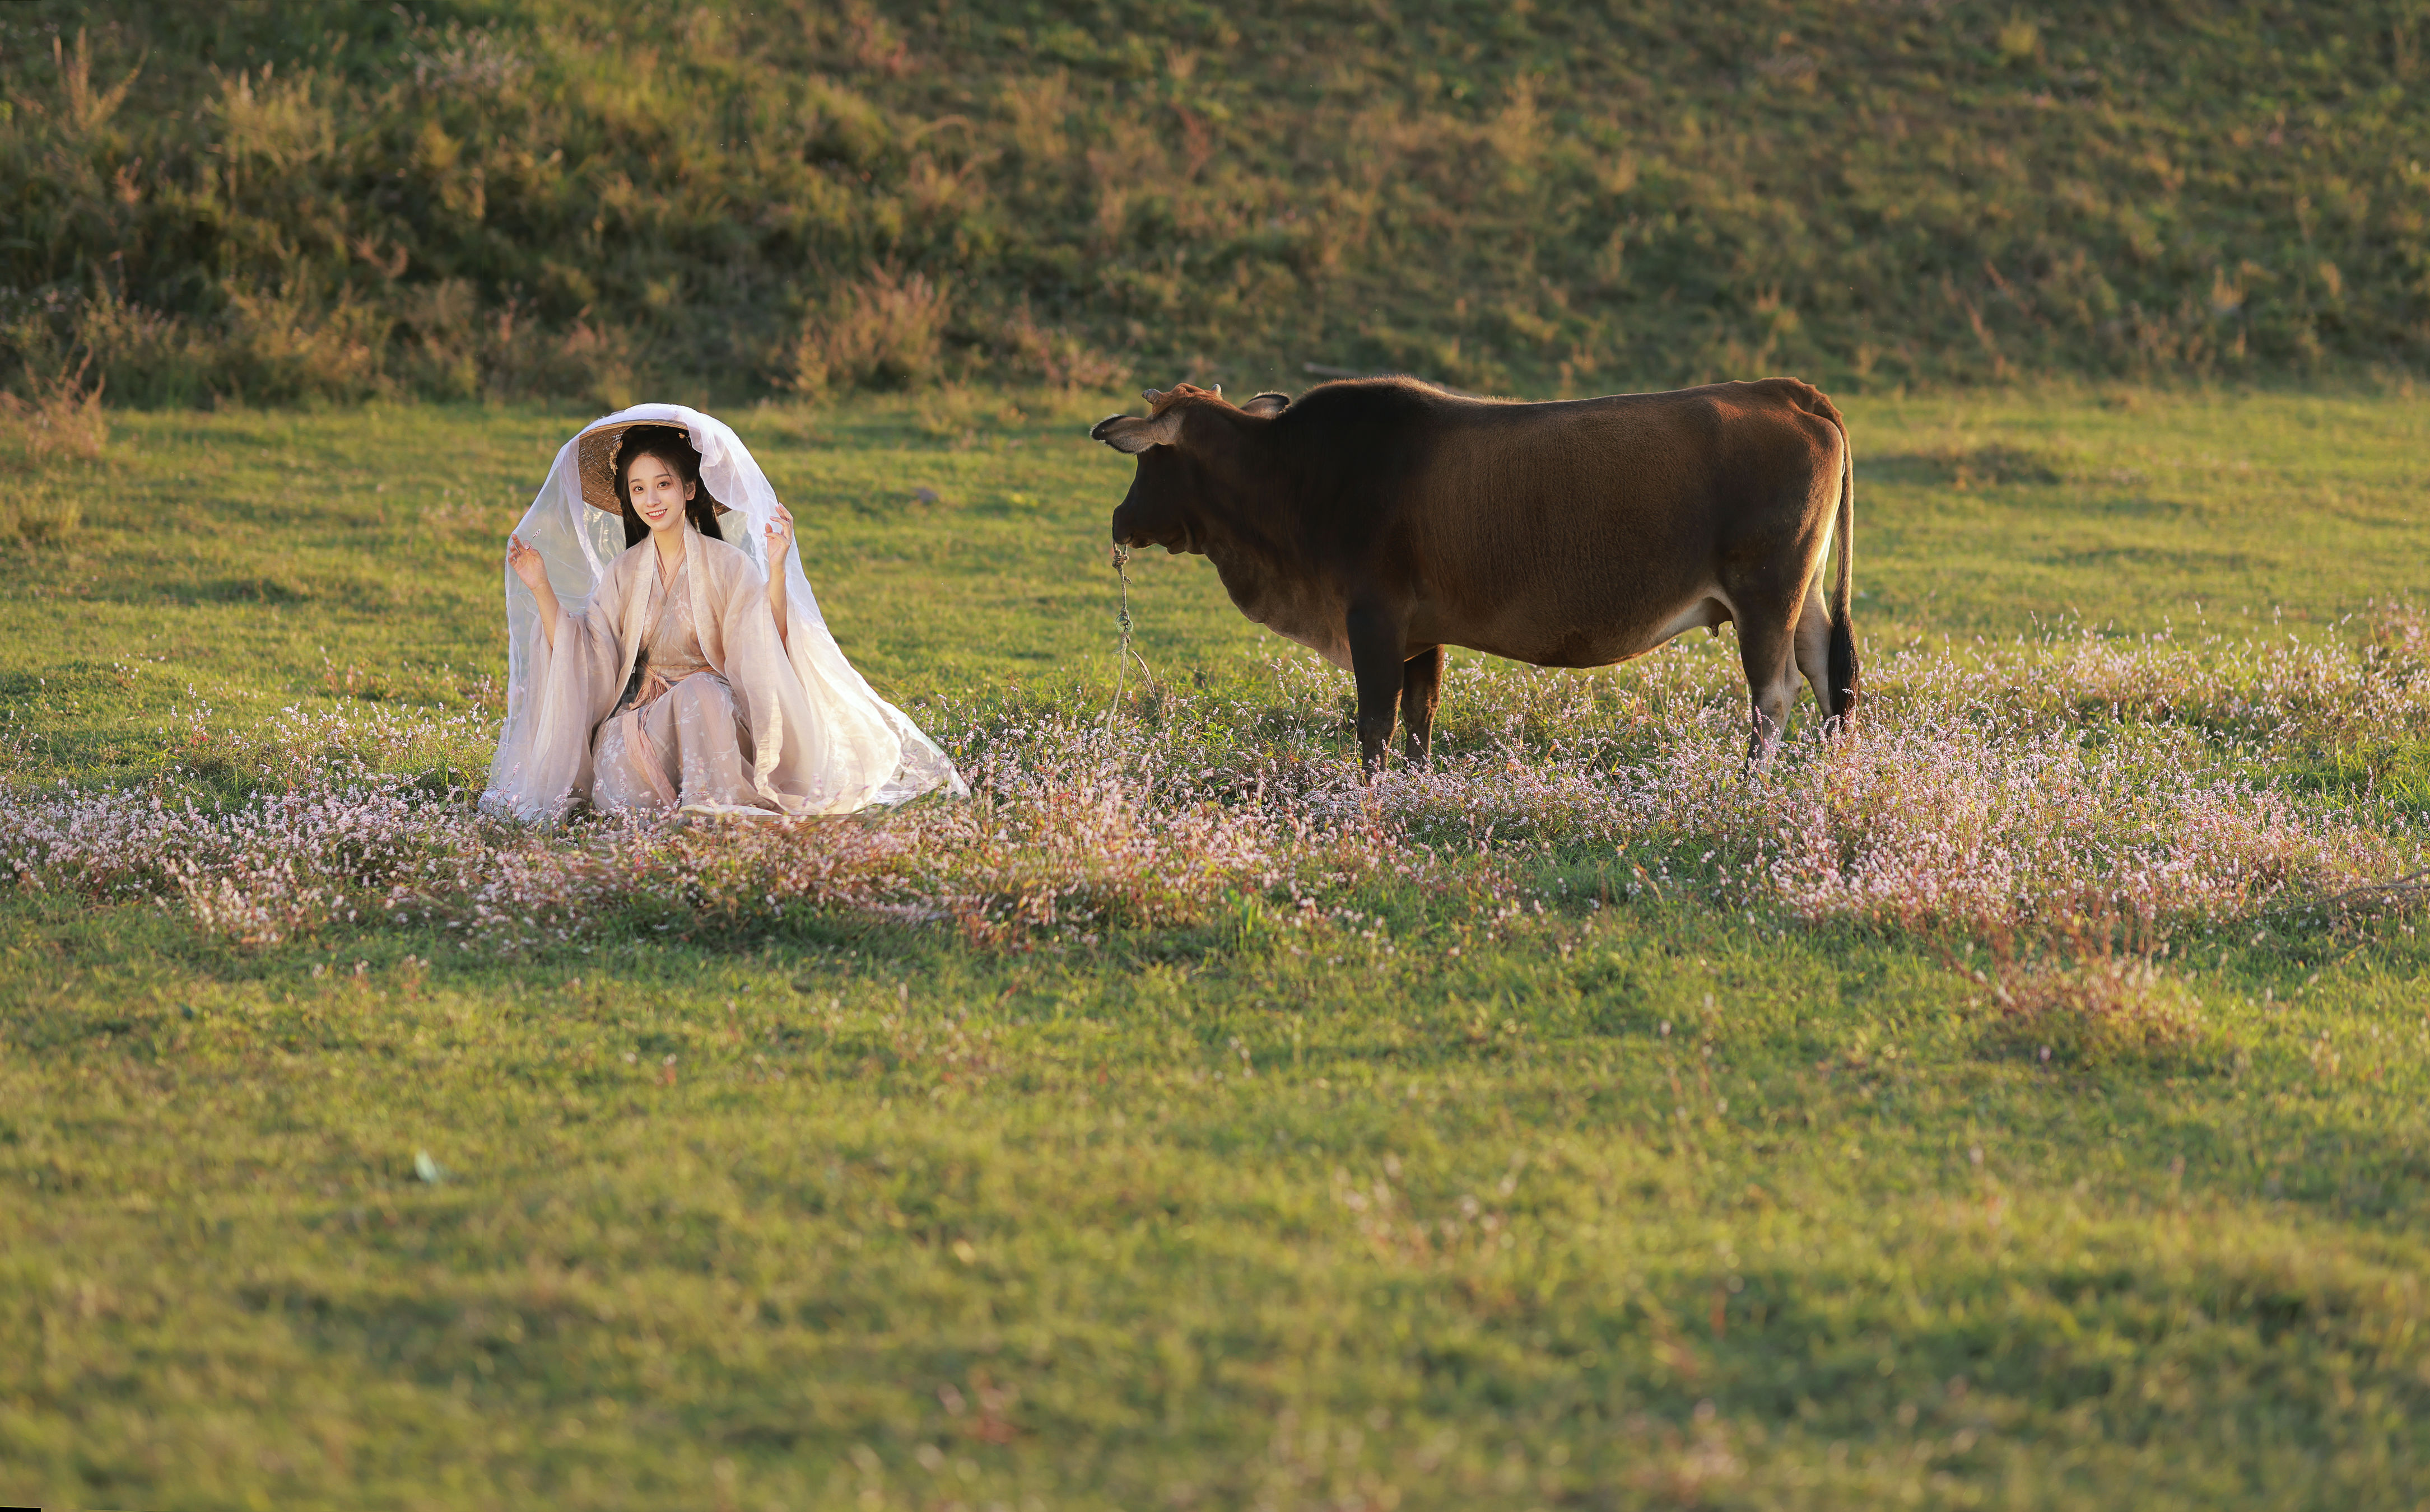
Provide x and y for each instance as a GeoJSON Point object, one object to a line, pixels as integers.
{"type": "Point", "coordinates": [2020, 1105]}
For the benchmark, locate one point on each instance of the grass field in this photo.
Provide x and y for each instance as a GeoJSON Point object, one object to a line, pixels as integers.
{"type": "Point", "coordinates": [2023, 1106]}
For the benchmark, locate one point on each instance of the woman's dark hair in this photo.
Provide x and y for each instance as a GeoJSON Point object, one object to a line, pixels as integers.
{"type": "Point", "coordinates": [671, 445]}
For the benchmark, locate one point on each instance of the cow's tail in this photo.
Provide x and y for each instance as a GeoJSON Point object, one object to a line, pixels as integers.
{"type": "Point", "coordinates": [1844, 674]}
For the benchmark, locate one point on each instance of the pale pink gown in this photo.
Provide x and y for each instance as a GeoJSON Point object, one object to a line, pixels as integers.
{"type": "Point", "coordinates": [678, 745]}
{"type": "Point", "coordinates": [741, 716]}
{"type": "Point", "coordinates": [730, 717]}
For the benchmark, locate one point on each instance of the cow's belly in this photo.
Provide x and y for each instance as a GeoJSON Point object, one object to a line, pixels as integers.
{"type": "Point", "coordinates": [1579, 639]}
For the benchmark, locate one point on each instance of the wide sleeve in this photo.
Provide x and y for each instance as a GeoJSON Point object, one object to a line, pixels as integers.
{"type": "Point", "coordinates": [543, 761]}
{"type": "Point", "coordinates": [883, 735]}
{"type": "Point", "coordinates": [811, 753]}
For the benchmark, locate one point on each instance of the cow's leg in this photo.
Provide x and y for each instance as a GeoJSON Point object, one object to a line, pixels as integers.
{"type": "Point", "coordinates": [1376, 643]}
{"type": "Point", "coordinates": [1420, 689]}
{"type": "Point", "coordinates": [1814, 645]}
{"type": "Point", "coordinates": [1767, 651]}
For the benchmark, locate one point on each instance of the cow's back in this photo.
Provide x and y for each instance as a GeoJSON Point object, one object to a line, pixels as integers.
{"type": "Point", "coordinates": [1564, 533]}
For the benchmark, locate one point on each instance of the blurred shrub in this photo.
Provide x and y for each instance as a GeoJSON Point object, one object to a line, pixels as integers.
{"type": "Point", "coordinates": [884, 331]}
{"type": "Point", "coordinates": [319, 200]}
{"type": "Point", "coordinates": [61, 418]}
{"type": "Point", "coordinates": [36, 514]}
{"type": "Point", "coordinates": [2101, 1008]}
{"type": "Point", "coordinates": [453, 347]}
{"type": "Point", "coordinates": [1054, 357]}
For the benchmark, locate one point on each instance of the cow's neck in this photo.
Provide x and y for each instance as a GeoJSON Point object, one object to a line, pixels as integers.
{"type": "Point", "coordinates": [1272, 587]}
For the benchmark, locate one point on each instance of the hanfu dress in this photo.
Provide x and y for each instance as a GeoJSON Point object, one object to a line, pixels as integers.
{"type": "Point", "coordinates": [674, 741]}
{"type": "Point", "coordinates": [661, 691]}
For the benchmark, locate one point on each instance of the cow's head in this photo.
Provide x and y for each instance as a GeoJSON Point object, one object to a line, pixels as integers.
{"type": "Point", "coordinates": [1184, 445]}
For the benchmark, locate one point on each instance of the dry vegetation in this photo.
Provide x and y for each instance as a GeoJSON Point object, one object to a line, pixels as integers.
{"type": "Point", "coordinates": [2077, 809]}
{"type": "Point", "coordinates": [320, 201]}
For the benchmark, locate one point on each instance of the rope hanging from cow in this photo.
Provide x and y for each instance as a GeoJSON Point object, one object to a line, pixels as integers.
{"type": "Point", "coordinates": [1126, 653]}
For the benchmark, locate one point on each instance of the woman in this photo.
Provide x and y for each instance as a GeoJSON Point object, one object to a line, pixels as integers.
{"type": "Point", "coordinates": [678, 672]}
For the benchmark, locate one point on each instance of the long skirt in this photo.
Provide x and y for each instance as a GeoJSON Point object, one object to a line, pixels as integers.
{"type": "Point", "coordinates": [683, 749]}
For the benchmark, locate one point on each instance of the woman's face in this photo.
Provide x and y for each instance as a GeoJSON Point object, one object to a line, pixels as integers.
{"type": "Point", "coordinates": [657, 494]}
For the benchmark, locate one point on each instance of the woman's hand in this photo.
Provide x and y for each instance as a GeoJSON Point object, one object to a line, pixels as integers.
{"type": "Point", "coordinates": [780, 540]}
{"type": "Point", "coordinates": [780, 545]}
{"type": "Point", "coordinates": [528, 564]}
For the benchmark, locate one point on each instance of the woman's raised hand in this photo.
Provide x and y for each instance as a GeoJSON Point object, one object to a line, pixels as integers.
{"type": "Point", "coordinates": [527, 563]}
{"type": "Point", "coordinates": [780, 538]}
{"type": "Point", "coordinates": [780, 544]}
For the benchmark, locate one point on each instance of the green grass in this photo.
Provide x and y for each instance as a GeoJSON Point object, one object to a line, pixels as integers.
{"type": "Point", "coordinates": [1656, 1203]}
{"type": "Point", "coordinates": [262, 557]}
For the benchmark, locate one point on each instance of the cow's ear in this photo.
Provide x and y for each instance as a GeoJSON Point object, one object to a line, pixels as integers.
{"type": "Point", "coordinates": [1134, 434]}
{"type": "Point", "coordinates": [1267, 406]}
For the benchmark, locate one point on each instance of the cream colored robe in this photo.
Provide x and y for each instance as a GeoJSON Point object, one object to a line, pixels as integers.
{"type": "Point", "coordinates": [811, 746]}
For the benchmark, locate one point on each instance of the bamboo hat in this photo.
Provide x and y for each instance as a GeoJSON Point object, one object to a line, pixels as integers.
{"type": "Point", "coordinates": [601, 447]}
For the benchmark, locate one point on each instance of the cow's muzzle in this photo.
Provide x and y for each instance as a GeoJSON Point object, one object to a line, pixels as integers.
{"type": "Point", "coordinates": [1136, 526]}
{"type": "Point", "coordinates": [1127, 529]}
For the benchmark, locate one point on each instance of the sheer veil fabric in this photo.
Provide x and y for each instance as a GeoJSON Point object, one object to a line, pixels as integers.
{"type": "Point", "coordinates": [821, 741]}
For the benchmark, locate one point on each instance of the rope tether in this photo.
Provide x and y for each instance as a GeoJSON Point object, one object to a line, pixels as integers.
{"type": "Point", "coordinates": [1127, 652]}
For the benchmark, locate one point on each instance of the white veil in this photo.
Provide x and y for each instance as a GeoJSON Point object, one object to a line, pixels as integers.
{"type": "Point", "coordinates": [577, 542]}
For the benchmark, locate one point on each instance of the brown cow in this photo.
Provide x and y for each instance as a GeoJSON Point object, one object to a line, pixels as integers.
{"type": "Point", "coordinates": [1379, 519]}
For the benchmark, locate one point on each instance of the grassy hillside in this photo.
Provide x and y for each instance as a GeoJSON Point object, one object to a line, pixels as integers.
{"type": "Point", "coordinates": [2023, 1106]}
{"type": "Point", "coordinates": [308, 200]}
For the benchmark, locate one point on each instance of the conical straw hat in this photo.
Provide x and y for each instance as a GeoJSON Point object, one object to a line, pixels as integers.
{"type": "Point", "coordinates": [598, 450]}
